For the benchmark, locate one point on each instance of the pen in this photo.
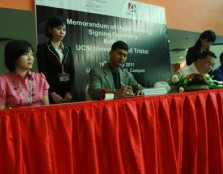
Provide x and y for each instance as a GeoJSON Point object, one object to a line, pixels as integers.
{"type": "Point", "coordinates": [125, 85]}
{"type": "Point", "coordinates": [122, 84]}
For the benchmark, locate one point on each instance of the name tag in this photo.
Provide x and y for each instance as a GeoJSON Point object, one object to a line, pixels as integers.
{"type": "Point", "coordinates": [64, 77]}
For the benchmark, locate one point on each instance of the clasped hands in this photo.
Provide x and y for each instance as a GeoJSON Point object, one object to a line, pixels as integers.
{"type": "Point", "coordinates": [58, 99]}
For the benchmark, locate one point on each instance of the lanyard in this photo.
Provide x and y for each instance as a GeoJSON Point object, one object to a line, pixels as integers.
{"type": "Point", "coordinates": [30, 100]}
{"type": "Point", "coordinates": [61, 64]}
{"type": "Point", "coordinates": [58, 59]}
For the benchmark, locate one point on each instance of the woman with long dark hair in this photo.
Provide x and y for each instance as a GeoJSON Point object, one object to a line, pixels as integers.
{"type": "Point", "coordinates": [206, 39]}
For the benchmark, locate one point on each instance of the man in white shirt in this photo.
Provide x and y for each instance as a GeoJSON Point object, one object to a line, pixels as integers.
{"type": "Point", "coordinates": [203, 65]}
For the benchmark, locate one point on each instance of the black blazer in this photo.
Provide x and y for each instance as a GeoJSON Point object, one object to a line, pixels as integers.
{"type": "Point", "coordinates": [47, 61]}
{"type": "Point", "coordinates": [192, 54]}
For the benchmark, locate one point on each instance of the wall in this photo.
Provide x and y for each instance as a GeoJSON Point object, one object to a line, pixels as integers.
{"type": "Point", "coordinates": [192, 15]}
{"type": "Point", "coordinates": [16, 24]}
{"type": "Point", "coordinates": [18, 4]}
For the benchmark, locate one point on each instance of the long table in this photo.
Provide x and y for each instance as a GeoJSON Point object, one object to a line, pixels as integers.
{"type": "Point", "coordinates": [166, 134]}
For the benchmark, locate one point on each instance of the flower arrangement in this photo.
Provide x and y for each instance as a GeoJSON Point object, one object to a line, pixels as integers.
{"type": "Point", "coordinates": [201, 81]}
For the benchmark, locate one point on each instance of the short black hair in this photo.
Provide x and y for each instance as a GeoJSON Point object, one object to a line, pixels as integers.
{"type": "Point", "coordinates": [52, 22]}
{"type": "Point", "coordinates": [221, 56]}
{"type": "Point", "coordinates": [119, 44]}
{"type": "Point", "coordinates": [204, 54]}
{"type": "Point", "coordinates": [13, 50]}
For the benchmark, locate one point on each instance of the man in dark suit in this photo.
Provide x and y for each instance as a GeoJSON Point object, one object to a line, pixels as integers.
{"type": "Point", "coordinates": [111, 78]}
{"type": "Point", "coordinates": [218, 72]}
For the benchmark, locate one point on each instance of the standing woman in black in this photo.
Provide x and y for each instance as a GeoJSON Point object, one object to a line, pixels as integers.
{"type": "Point", "coordinates": [55, 60]}
{"type": "Point", "coordinates": [206, 39]}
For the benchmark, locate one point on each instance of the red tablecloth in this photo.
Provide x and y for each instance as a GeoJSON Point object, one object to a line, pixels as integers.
{"type": "Point", "coordinates": [167, 134]}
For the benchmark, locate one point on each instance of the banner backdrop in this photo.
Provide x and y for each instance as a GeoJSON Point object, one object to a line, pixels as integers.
{"type": "Point", "coordinates": [94, 25]}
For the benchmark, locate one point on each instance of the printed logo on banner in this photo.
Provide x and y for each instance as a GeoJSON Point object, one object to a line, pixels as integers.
{"type": "Point", "coordinates": [95, 5]}
{"type": "Point", "coordinates": [131, 7]}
